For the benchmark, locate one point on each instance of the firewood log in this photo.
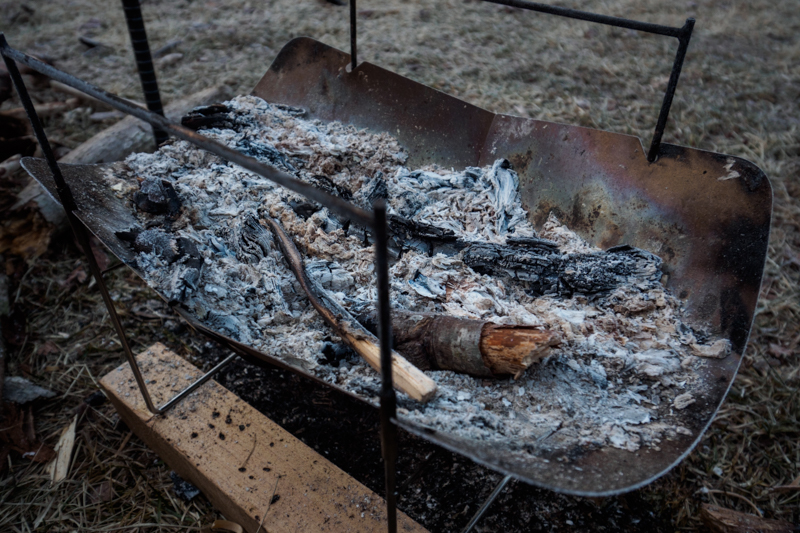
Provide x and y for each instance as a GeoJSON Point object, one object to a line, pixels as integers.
{"type": "Point", "coordinates": [475, 347]}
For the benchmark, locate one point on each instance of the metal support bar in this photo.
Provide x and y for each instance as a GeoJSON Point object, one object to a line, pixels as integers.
{"type": "Point", "coordinates": [353, 47]}
{"type": "Point", "coordinates": [683, 35]}
{"type": "Point", "coordinates": [144, 63]}
{"type": "Point", "coordinates": [486, 504]}
{"type": "Point", "coordinates": [683, 40]}
{"type": "Point", "coordinates": [334, 203]}
{"type": "Point", "coordinates": [82, 236]}
{"type": "Point", "coordinates": [619, 22]}
{"type": "Point", "coordinates": [194, 386]}
{"type": "Point", "coordinates": [388, 409]}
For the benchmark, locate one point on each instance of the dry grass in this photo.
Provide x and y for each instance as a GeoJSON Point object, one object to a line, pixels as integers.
{"type": "Point", "coordinates": [738, 95]}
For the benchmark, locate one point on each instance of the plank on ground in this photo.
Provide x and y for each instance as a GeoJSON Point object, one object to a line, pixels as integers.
{"type": "Point", "coordinates": [240, 459]}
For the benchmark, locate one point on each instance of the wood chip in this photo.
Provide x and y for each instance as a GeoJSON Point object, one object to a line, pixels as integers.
{"type": "Point", "coordinates": [59, 467]}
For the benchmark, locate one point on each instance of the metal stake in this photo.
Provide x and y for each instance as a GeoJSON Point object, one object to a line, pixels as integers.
{"type": "Point", "coordinates": [489, 501]}
{"type": "Point", "coordinates": [388, 397]}
{"type": "Point", "coordinates": [144, 63]}
{"type": "Point", "coordinates": [353, 48]}
{"type": "Point", "coordinates": [68, 201]}
{"type": "Point", "coordinates": [683, 40]}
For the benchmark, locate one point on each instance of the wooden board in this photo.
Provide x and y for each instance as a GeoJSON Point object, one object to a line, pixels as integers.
{"type": "Point", "coordinates": [251, 469]}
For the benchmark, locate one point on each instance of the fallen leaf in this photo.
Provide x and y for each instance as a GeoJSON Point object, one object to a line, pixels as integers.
{"type": "Point", "coordinates": [76, 277]}
{"type": "Point", "coordinates": [19, 433]}
{"type": "Point", "coordinates": [48, 348]}
{"type": "Point", "coordinates": [103, 492]}
{"type": "Point", "coordinates": [779, 351]}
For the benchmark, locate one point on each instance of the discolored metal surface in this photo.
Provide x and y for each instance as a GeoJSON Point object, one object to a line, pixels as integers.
{"type": "Point", "coordinates": [707, 215]}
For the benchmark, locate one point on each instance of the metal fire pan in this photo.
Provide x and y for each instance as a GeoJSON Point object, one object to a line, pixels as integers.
{"type": "Point", "coordinates": [706, 214]}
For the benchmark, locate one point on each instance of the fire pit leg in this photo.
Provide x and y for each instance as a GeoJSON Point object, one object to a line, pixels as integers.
{"type": "Point", "coordinates": [482, 511]}
{"type": "Point", "coordinates": [388, 396]}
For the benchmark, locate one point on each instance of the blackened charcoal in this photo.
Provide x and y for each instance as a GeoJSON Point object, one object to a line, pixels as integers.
{"type": "Point", "coordinates": [265, 152]}
{"type": "Point", "coordinates": [294, 111]}
{"type": "Point", "coordinates": [303, 208]}
{"type": "Point", "coordinates": [374, 189]}
{"type": "Point", "coordinates": [183, 488]}
{"type": "Point", "coordinates": [157, 242]}
{"type": "Point", "coordinates": [330, 275]}
{"type": "Point", "coordinates": [532, 243]}
{"type": "Point", "coordinates": [333, 353]}
{"type": "Point", "coordinates": [157, 196]}
{"type": "Point", "coordinates": [548, 272]}
{"type": "Point", "coordinates": [189, 253]}
{"type": "Point", "coordinates": [213, 116]}
{"type": "Point", "coordinates": [255, 241]}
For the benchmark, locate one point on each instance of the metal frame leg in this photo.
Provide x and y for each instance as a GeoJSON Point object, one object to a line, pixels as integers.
{"type": "Point", "coordinates": [83, 238]}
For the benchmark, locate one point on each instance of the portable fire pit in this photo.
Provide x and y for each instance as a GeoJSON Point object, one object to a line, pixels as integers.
{"type": "Point", "coordinates": [706, 215]}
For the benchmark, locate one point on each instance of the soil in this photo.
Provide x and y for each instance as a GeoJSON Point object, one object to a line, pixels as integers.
{"type": "Point", "coordinates": [439, 489]}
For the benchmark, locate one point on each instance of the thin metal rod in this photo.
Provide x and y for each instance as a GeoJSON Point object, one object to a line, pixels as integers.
{"type": "Point", "coordinates": [353, 32]}
{"type": "Point", "coordinates": [489, 501]}
{"type": "Point", "coordinates": [658, 29]}
{"type": "Point", "coordinates": [194, 386]}
{"type": "Point", "coordinates": [683, 34]}
{"type": "Point", "coordinates": [388, 410]}
{"type": "Point", "coordinates": [336, 204]}
{"type": "Point", "coordinates": [81, 234]}
{"type": "Point", "coordinates": [683, 40]}
{"type": "Point", "coordinates": [144, 63]}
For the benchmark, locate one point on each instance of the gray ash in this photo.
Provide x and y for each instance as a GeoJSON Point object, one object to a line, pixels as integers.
{"type": "Point", "coordinates": [463, 246]}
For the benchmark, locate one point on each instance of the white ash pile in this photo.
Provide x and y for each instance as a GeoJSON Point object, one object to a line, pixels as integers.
{"type": "Point", "coordinates": [463, 246]}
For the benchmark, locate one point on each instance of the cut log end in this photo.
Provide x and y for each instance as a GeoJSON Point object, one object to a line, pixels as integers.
{"type": "Point", "coordinates": [513, 349]}
{"type": "Point", "coordinates": [482, 349]}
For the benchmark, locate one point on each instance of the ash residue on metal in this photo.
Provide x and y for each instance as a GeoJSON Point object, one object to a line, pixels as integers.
{"type": "Point", "coordinates": [463, 246]}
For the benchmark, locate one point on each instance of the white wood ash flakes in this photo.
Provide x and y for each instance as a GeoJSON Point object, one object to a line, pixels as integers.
{"type": "Point", "coordinates": [624, 358]}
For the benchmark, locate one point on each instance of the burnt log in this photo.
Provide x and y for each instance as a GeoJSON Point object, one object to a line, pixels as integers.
{"type": "Point", "coordinates": [546, 271]}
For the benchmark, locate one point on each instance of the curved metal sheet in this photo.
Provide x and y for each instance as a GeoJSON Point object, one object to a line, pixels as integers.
{"type": "Point", "coordinates": [707, 215]}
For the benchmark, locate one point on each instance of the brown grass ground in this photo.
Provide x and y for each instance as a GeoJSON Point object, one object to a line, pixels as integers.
{"type": "Point", "coordinates": [738, 95]}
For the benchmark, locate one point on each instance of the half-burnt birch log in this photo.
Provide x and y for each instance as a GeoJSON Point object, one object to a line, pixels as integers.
{"type": "Point", "coordinates": [476, 347]}
{"type": "Point", "coordinates": [407, 377]}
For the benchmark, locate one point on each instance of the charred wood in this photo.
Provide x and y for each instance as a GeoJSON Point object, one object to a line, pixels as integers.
{"type": "Point", "coordinates": [547, 272]}
{"type": "Point", "coordinates": [407, 377]}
